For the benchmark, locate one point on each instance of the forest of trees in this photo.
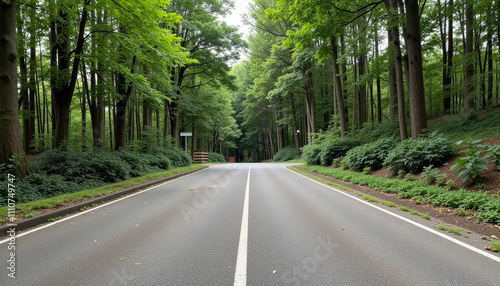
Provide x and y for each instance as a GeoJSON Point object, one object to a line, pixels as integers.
{"type": "Point", "coordinates": [331, 66]}
{"type": "Point", "coordinates": [108, 74]}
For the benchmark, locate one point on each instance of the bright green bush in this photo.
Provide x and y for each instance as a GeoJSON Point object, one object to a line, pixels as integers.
{"type": "Point", "coordinates": [335, 148]}
{"type": "Point", "coordinates": [82, 166]}
{"type": "Point", "coordinates": [286, 154]}
{"type": "Point", "coordinates": [62, 171]}
{"type": "Point", "coordinates": [178, 157]}
{"type": "Point", "coordinates": [311, 154]}
{"type": "Point", "coordinates": [370, 155]}
{"type": "Point", "coordinates": [215, 157]}
{"type": "Point", "coordinates": [413, 155]}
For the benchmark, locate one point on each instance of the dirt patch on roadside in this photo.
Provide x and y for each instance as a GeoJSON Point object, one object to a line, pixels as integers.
{"type": "Point", "coordinates": [444, 214]}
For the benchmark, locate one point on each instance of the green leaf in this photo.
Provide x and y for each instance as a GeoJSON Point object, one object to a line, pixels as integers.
{"type": "Point", "coordinates": [482, 165]}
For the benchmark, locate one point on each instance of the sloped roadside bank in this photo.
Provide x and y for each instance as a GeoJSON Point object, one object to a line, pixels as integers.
{"type": "Point", "coordinates": [444, 214]}
{"type": "Point", "coordinates": [85, 201]}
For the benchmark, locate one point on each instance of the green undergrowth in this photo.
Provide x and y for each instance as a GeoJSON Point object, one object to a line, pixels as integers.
{"type": "Point", "coordinates": [29, 209]}
{"type": "Point", "coordinates": [449, 229]}
{"type": "Point", "coordinates": [365, 197]}
{"type": "Point", "coordinates": [495, 245]}
{"type": "Point", "coordinates": [486, 207]}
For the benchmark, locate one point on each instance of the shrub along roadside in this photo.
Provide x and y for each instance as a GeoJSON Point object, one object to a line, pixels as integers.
{"type": "Point", "coordinates": [487, 207]}
{"type": "Point", "coordinates": [286, 154]}
{"type": "Point", "coordinates": [412, 155]}
{"type": "Point", "coordinates": [370, 155]}
{"type": "Point", "coordinates": [216, 157]}
{"type": "Point", "coordinates": [61, 171]}
{"type": "Point", "coordinates": [80, 196]}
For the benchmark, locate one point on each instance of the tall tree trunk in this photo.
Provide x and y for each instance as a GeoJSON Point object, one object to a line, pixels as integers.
{"type": "Point", "coordinates": [446, 73]}
{"type": "Point", "coordinates": [469, 103]}
{"type": "Point", "coordinates": [310, 104]}
{"type": "Point", "coordinates": [379, 91]}
{"type": "Point", "coordinates": [448, 81]}
{"type": "Point", "coordinates": [131, 123]}
{"type": "Point", "coordinates": [84, 120]}
{"type": "Point", "coordinates": [355, 96]}
{"type": "Point", "coordinates": [294, 123]}
{"type": "Point", "coordinates": [489, 56]}
{"type": "Point", "coordinates": [10, 135]}
{"type": "Point", "coordinates": [23, 81]}
{"type": "Point", "coordinates": [362, 108]}
{"type": "Point", "coordinates": [345, 92]}
{"type": "Point", "coordinates": [124, 89]}
{"type": "Point", "coordinates": [391, 6]}
{"type": "Point", "coordinates": [65, 89]}
{"type": "Point", "coordinates": [33, 84]}
{"type": "Point", "coordinates": [165, 121]}
{"type": "Point", "coordinates": [393, 90]}
{"type": "Point", "coordinates": [100, 94]}
{"type": "Point", "coordinates": [174, 122]}
{"type": "Point", "coordinates": [338, 87]}
{"type": "Point", "coordinates": [417, 96]}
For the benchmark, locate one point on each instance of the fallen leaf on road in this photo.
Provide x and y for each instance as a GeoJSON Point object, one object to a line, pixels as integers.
{"type": "Point", "coordinates": [494, 237]}
{"type": "Point", "coordinates": [123, 258]}
{"type": "Point", "coordinates": [136, 225]}
{"type": "Point", "coordinates": [376, 258]}
{"type": "Point", "coordinates": [274, 271]}
{"type": "Point", "coordinates": [488, 247]}
{"type": "Point", "coordinates": [192, 189]}
{"type": "Point", "coordinates": [138, 263]}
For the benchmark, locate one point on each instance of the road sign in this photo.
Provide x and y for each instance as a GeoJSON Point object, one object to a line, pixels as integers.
{"type": "Point", "coordinates": [186, 133]}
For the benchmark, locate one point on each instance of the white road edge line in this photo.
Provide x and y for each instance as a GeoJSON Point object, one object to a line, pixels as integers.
{"type": "Point", "coordinates": [98, 207]}
{"type": "Point", "coordinates": [463, 244]}
{"type": "Point", "coordinates": [240, 274]}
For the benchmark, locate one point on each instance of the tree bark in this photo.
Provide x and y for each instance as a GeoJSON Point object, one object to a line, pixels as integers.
{"type": "Point", "coordinates": [338, 87]}
{"type": "Point", "coordinates": [294, 123]}
{"type": "Point", "coordinates": [379, 91]}
{"type": "Point", "coordinates": [124, 90]}
{"type": "Point", "coordinates": [392, 6]}
{"type": "Point", "coordinates": [65, 89]}
{"type": "Point", "coordinates": [469, 102]}
{"type": "Point", "coordinates": [393, 90]}
{"type": "Point", "coordinates": [310, 103]}
{"type": "Point", "coordinates": [345, 92]}
{"type": "Point", "coordinates": [450, 56]}
{"type": "Point", "coordinates": [415, 71]}
{"type": "Point", "coordinates": [362, 108]}
{"type": "Point", "coordinates": [10, 135]}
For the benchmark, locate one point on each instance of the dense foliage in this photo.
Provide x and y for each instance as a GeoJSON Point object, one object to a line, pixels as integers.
{"type": "Point", "coordinates": [370, 155]}
{"type": "Point", "coordinates": [412, 155]}
{"type": "Point", "coordinates": [215, 157]}
{"type": "Point", "coordinates": [62, 171]}
{"type": "Point", "coordinates": [286, 154]}
{"type": "Point", "coordinates": [335, 148]}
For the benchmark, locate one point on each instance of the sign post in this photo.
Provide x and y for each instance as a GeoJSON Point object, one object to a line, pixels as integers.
{"type": "Point", "coordinates": [186, 135]}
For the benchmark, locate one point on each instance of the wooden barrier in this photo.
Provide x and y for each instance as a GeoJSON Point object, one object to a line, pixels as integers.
{"type": "Point", "coordinates": [200, 157]}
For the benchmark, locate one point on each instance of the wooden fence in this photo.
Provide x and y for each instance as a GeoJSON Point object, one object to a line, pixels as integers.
{"type": "Point", "coordinates": [200, 157]}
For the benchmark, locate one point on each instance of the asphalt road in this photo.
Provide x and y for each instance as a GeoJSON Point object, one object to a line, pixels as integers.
{"type": "Point", "coordinates": [245, 224]}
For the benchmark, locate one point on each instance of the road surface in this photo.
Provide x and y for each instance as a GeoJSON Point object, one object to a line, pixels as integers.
{"type": "Point", "coordinates": [245, 224]}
